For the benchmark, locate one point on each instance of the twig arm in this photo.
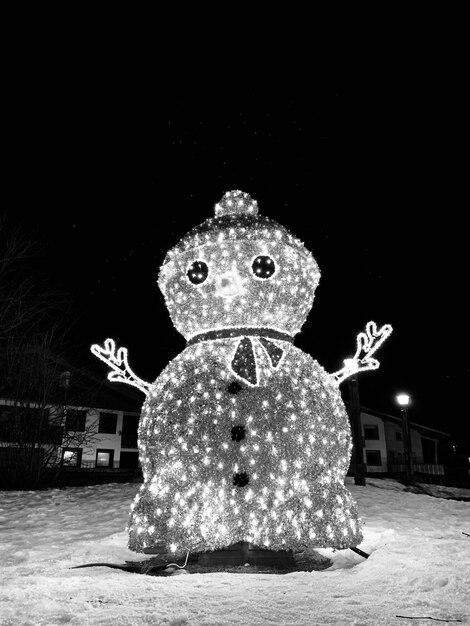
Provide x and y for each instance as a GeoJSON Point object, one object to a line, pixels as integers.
{"type": "Point", "coordinates": [116, 359]}
{"type": "Point", "coordinates": [366, 344]}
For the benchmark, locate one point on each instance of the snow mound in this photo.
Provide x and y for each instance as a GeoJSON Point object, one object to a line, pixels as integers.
{"type": "Point", "coordinates": [419, 565]}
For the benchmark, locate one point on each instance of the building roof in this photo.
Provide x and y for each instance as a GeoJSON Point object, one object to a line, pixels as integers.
{"type": "Point", "coordinates": [397, 419]}
{"type": "Point", "coordinates": [62, 383]}
{"type": "Point", "coordinates": [88, 389]}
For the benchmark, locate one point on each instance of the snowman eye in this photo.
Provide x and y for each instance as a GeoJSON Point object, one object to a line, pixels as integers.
{"type": "Point", "coordinates": [197, 272]}
{"type": "Point", "coordinates": [263, 267]}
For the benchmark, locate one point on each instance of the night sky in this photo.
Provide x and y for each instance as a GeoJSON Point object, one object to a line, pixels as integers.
{"type": "Point", "coordinates": [110, 176]}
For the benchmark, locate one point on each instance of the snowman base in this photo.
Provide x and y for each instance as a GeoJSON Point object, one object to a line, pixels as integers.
{"type": "Point", "coordinates": [242, 552]}
{"type": "Point", "coordinates": [244, 556]}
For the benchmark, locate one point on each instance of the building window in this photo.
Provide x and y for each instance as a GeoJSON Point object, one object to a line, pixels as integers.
{"type": "Point", "coordinates": [373, 458]}
{"type": "Point", "coordinates": [15, 419]}
{"type": "Point", "coordinates": [371, 432]}
{"type": "Point", "coordinates": [104, 458]}
{"type": "Point", "coordinates": [130, 425]}
{"type": "Point", "coordinates": [72, 457]}
{"type": "Point", "coordinates": [129, 460]}
{"type": "Point", "coordinates": [9, 424]}
{"type": "Point", "coordinates": [75, 420]}
{"type": "Point", "coordinates": [398, 435]}
{"type": "Point", "coordinates": [108, 423]}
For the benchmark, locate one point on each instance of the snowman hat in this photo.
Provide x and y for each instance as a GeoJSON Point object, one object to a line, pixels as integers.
{"type": "Point", "coordinates": [237, 218]}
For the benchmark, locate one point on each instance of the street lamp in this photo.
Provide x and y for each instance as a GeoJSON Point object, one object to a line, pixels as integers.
{"type": "Point", "coordinates": [403, 400]}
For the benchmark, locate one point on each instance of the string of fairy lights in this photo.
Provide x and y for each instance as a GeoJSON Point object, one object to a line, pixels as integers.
{"type": "Point", "coordinates": [243, 436]}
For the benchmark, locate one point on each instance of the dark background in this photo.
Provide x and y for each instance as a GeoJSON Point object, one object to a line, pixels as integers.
{"type": "Point", "coordinates": [109, 171]}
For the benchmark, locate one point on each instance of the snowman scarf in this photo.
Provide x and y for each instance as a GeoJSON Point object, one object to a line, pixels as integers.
{"type": "Point", "coordinates": [243, 363]}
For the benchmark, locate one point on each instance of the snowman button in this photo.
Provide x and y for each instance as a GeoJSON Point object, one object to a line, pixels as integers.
{"type": "Point", "coordinates": [234, 387]}
{"type": "Point", "coordinates": [240, 479]}
{"type": "Point", "coordinates": [238, 433]}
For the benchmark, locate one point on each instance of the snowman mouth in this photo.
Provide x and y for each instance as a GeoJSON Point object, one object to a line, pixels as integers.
{"type": "Point", "coordinates": [229, 292]}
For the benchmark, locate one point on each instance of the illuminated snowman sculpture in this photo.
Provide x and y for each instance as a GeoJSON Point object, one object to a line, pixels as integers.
{"type": "Point", "coordinates": [243, 436]}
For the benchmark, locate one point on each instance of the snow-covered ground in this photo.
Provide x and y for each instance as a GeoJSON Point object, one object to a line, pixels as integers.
{"type": "Point", "coordinates": [419, 566]}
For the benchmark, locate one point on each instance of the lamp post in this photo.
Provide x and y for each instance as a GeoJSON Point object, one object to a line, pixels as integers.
{"type": "Point", "coordinates": [403, 400]}
{"type": "Point", "coordinates": [355, 413]}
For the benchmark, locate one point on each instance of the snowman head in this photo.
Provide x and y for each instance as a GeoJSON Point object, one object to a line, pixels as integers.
{"type": "Point", "coordinates": [238, 269]}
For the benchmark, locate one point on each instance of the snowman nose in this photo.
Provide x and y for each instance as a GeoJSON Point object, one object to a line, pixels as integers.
{"type": "Point", "coordinates": [229, 285]}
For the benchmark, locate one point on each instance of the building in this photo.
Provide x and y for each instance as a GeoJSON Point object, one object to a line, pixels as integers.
{"type": "Point", "coordinates": [80, 422]}
{"type": "Point", "coordinates": [103, 436]}
{"type": "Point", "coordinates": [88, 436]}
{"type": "Point", "coordinates": [111, 440]}
{"type": "Point", "coordinates": [384, 445]}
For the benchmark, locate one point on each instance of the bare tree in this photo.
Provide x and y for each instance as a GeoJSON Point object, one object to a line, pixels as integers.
{"type": "Point", "coordinates": [36, 418]}
{"type": "Point", "coordinates": [24, 302]}
{"type": "Point", "coordinates": [34, 424]}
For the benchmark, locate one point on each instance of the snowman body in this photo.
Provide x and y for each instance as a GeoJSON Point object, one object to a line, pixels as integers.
{"type": "Point", "coordinates": [227, 461]}
{"type": "Point", "coordinates": [243, 437]}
